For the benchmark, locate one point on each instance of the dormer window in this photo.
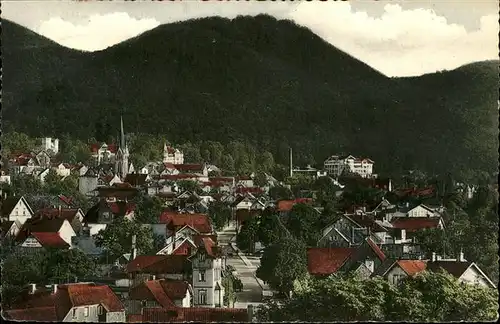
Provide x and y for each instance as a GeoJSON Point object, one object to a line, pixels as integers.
{"type": "Point", "coordinates": [100, 310]}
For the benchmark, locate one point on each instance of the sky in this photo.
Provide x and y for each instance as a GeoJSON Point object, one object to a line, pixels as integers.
{"type": "Point", "coordinates": [397, 38]}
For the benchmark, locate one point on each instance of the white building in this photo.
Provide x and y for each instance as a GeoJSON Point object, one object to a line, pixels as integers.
{"type": "Point", "coordinates": [207, 280]}
{"type": "Point", "coordinates": [335, 165]}
{"type": "Point", "coordinates": [171, 155]}
{"type": "Point", "coordinates": [50, 144]}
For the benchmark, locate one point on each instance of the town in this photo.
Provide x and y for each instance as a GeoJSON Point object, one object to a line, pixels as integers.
{"type": "Point", "coordinates": [184, 239]}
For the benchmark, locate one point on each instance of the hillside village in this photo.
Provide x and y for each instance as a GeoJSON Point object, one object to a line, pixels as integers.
{"type": "Point", "coordinates": [179, 240]}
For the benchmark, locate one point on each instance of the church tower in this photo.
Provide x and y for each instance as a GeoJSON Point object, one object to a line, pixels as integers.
{"type": "Point", "coordinates": [165, 153]}
{"type": "Point", "coordinates": [122, 155]}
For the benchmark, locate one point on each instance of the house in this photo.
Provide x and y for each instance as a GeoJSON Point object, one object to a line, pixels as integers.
{"type": "Point", "coordinates": [38, 202]}
{"type": "Point", "coordinates": [78, 302]}
{"type": "Point", "coordinates": [62, 169]}
{"type": "Point", "coordinates": [352, 230]}
{"type": "Point", "coordinates": [336, 165]}
{"type": "Point", "coordinates": [244, 181]}
{"type": "Point", "coordinates": [172, 155]}
{"type": "Point", "coordinates": [144, 267]}
{"type": "Point", "coordinates": [162, 293]}
{"type": "Point", "coordinates": [44, 232]}
{"type": "Point", "coordinates": [410, 225]}
{"type": "Point", "coordinates": [50, 145]}
{"type": "Point", "coordinates": [286, 206]}
{"type": "Point", "coordinates": [176, 221]}
{"type": "Point", "coordinates": [10, 229]}
{"type": "Point", "coordinates": [73, 215]}
{"type": "Point", "coordinates": [242, 202]}
{"type": "Point", "coordinates": [88, 182]}
{"type": "Point", "coordinates": [363, 259]}
{"type": "Point", "coordinates": [103, 153]}
{"type": "Point", "coordinates": [151, 168]}
{"type": "Point", "coordinates": [15, 208]}
{"type": "Point", "coordinates": [196, 314]}
{"type": "Point", "coordinates": [103, 213]}
{"type": "Point", "coordinates": [136, 179]}
{"type": "Point", "coordinates": [200, 169]}
{"type": "Point", "coordinates": [422, 211]}
{"type": "Point", "coordinates": [465, 271]}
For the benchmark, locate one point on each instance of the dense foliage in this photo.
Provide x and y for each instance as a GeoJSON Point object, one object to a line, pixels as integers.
{"type": "Point", "coordinates": [429, 297]}
{"type": "Point", "coordinates": [256, 80]}
{"type": "Point", "coordinates": [52, 266]}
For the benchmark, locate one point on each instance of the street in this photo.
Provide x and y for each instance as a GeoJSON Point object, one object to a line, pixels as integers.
{"type": "Point", "coordinates": [251, 292]}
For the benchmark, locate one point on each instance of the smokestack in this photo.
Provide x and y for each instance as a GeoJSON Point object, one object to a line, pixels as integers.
{"type": "Point", "coordinates": [291, 163]}
{"type": "Point", "coordinates": [134, 249]}
{"type": "Point", "coordinates": [433, 256]}
{"type": "Point", "coordinates": [54, 288]}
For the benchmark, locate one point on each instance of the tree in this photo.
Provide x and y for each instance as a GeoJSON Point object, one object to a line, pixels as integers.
{"type": "Point", "coordinates": [270, 228]}
{"type": "Point", "coordinates": [260, 179]}
{"type": "Point", "coordinates": [282, 263]}
{"type": "Point", "coordinates": [266, 162]}
{"type": "Point", "coordinates": [428, 297]}
{"type": "Point", "coordinates": [228, 282]}
{"type": "Point", "coordinates": [280, 193]}
{"type": "Point", "coordinates": [116, 238]}
{"type": "Point", "coordinates": [149, 209]}
{"type": "Point", "coordinates": [52, 266]}
{"type": "Point", "coordinates": [219, 214]}
{"type": "Point", "coordinates": [303, 223]}
{"type": "Point", "coordinates": [248, 235]}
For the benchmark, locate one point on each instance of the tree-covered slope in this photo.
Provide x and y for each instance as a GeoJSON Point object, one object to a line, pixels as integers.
{"type": "Point", "coordinates": [256, 79]}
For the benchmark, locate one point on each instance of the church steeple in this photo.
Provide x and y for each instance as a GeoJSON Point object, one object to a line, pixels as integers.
{"type": "Point", "coordinates": [122, 167]}
{"type": "Point", "coordinates": [122, 134]}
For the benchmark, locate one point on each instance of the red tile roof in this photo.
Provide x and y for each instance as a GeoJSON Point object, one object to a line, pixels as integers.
{"type": "Point", "coordinates": [94, 148]}
{"type": "Point", "coordinates": [134, 318]}
{"type": "Point", "coordinates": [195, 314]}
{"type": "Point", "coordinates": [53, 240]}
{"type": "Point", "coordinates": [63, 213]}
{"type": "Point", "coordinates": [169, 166]}
{"type": "Point", "coordinates": [412, 224]}
{"type": "Point", "coordinates": [325, 261]}
{"type": "Point", "coordinates": [254, 190]}
{"type": "Point", "coordinates": [115, 207]}
{"type": "Point", "coordinates": [287, 205]}
{"type": "Point", "coordinates": [376, 249]}
{"type": "Point", "coordinates": [158, 264]}
{"type": "Point", "coordinates": [412, 267]}
{"type": "Point", "coordinates": [38, 314]}
{"type": "Point", "coordinates": [184, 249]}
{"type": "Point", "coordinates": [54, 307]}
{"type": "Point", "coordinates": [189, 167]}
{"type": "Point", "coordinates": [200, 222]}
{"type": "Point", "coordinates": [222, 179]}
{"type": "Point", "coordinates": [176, 177]}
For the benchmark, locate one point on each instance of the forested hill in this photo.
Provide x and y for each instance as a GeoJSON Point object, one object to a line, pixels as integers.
{"type": "Point", "coordinates": [256, 79]}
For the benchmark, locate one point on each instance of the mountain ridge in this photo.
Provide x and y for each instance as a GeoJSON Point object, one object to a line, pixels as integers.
{"type": "Point", "coordinates": [258, 79]}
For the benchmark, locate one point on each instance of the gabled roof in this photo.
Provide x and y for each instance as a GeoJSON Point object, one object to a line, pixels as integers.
{"type": "Point", "coordinates": [9, 203]}
{"type": "Point", "coordinates": [194, 314]}
{"type": "Point", "coordinates": [163, 291]}
{"type": "Point", "coordinates": [43, 225]}
{"type": "Point", "coordinates": [136, 179]}
{"type": "Point", "coordinates": [200, 222]}
{"type": "Point", "coordinates": [64, 213]}
{"type": "Point", "coordinates": [189, 167]}
{"type": "Point", "coordinates": [52, 240]}
{"type": "Point", "coordinates": [412, 224]}
{"type": "Point", "coordinates": [158, 264]}
{"type": "Point", "coordinates": [54, 307]}
{"type": "Point", "coordinates": [325, 261]}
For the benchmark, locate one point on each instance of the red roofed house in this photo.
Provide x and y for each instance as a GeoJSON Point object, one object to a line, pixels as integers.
{"type": "Point", "coordinates": [363, 259]}
{"type": "Point", "coordinates": [410, 225]}
{"type": "Point", "coordinates": [200, 169]}
{"type": "Point", "coordinates": [176, 221]}
{"type": "Point", "coordinates": [45, 232]}
{"type": "Point", "coordinates": [197, 314]}
{"type": "Point", "coordinates": [103, 152]}
{"type": "Point", "coordinates": [285, 206]}
{"type": "Point", "coordinates": [73, 215]}
{"type": "Point", "coordinates": [465, 271]}
{"type": "Point", "coordinates": [163, 293]}
{"type": "Point", "coordinates": [79, 302]}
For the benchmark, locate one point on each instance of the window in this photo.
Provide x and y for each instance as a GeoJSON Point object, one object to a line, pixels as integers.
{"type": "Point", "coordinates": [86, 312]}
{"type": "Point", "coordinates": [202, 296]}
{"type": "Point", "coordinates": [397, 278]}
{"type": "Point", "coordinates": [202, 257]}
{"type": "Point", "coordinates": [201, 276]}
{"type": "Point", "coordinates": [100, 310]}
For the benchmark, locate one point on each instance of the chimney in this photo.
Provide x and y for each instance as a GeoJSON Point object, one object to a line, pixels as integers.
{"type": "Point", "coordinates": [153, 277]}
{"type": "Point", "coordinates": [60, 210]}
{"type": "Point", "coordinates": [32, 289]}
{"type": "Point", "coordinates": [390, 185]}
{"type": "Point", "coordinates": [250, 313]}
{"type": "Point", "coordinates": [54, 288]}
{"type": "Point", "coordinates": [461, 257]}
{"type": "Point", "coordinates": [433, 256]}
{"type": "Point", "coordinates": [134, 249]}
{"type": "Point", "coordinates": [291, 163]}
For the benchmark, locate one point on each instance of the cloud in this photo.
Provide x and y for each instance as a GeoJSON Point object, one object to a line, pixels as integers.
{"type": "Point", "coordinates": [99, 32]}
{"type": "Point", "coordinates": [400, 42]}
